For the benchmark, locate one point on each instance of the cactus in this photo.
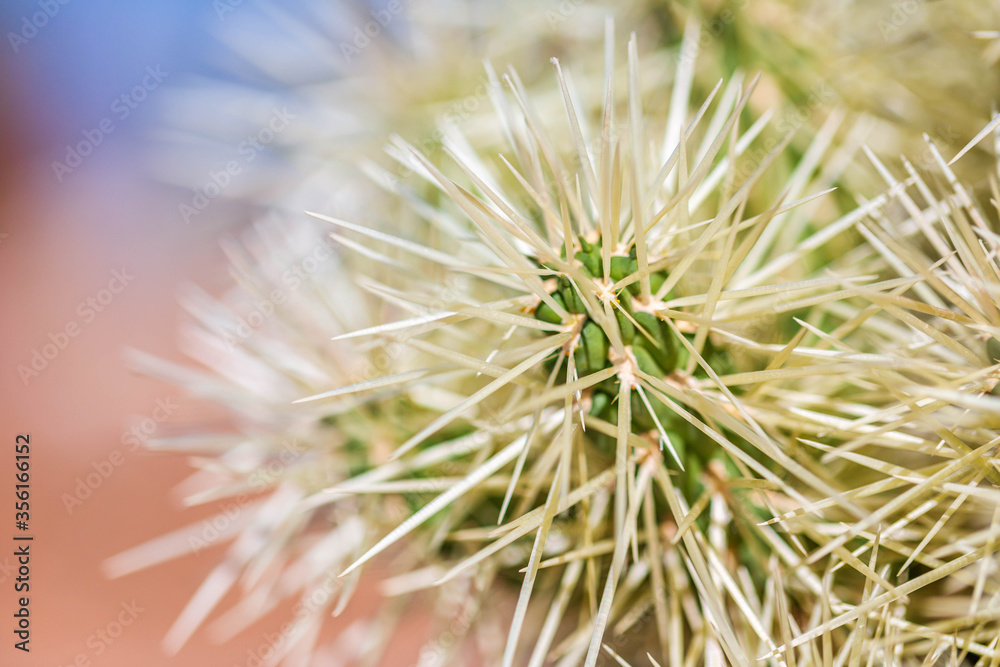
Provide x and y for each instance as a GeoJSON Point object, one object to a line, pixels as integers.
{"type": "Point", "coordinates": [600, 319]}
{"type": "Point", "coordinates": [689, 418]}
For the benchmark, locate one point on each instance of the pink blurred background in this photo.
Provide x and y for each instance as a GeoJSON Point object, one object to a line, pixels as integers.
{"type": "Point", "coordinates": [63, 234]}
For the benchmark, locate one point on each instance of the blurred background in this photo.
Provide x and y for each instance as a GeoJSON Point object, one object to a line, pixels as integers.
{"type": "Point", "coordinates": [133, 139]}
{"type": "Point", "coordinates": [81, 85]}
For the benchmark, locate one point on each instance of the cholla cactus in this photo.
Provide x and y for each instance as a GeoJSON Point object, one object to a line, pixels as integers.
{"type": "Point", "coordinates": [609, 289]}
{"type": "Point", "coordinates": [912, 438]}
{"type": "Point", "coordinates": [613, 370]}
{"type": "Point", "coordinates": [937, 329]}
